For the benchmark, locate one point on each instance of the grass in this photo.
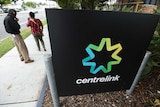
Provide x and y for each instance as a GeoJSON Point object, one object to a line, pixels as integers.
{"type": "Point", "coordinates": [7, 43]}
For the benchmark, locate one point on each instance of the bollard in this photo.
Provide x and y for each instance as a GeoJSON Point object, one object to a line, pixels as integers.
{"type": "Point", "coordinates": [143, 64]}
{"type": "Point", "coordinates": [51, 80]}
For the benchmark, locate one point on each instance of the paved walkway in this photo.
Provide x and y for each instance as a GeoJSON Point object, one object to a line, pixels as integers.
{"type": "Point", "coordinates": [23, 85]}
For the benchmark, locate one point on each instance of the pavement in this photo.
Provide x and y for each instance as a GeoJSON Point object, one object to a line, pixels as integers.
{"type": "Point", "coordinates": [23, 85]}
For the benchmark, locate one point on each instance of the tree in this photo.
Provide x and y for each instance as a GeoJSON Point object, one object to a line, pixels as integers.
{"type": "Point", "coordinates": [14, 1]}
{"type": "Point", "coordinates": [67, 3]}
{"type": "Point", "coordinates": [80, 4]}
{"type": "Point", "coordinates": [89, 4]}
{"type": "Point", "coordinates": [2, 2]}
{"type": "Point", "coordinates": [31, 4]}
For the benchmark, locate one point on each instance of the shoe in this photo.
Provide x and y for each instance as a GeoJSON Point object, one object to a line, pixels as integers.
{"type": "Point", "coordinates": [29, 61]}
{"type": "Point", "coordinates": [22, 59]}
{"type": "Point", "coordinates": [45, 50]}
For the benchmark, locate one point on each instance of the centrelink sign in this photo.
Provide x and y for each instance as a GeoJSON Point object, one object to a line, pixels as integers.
{"type": "Point", "coordinates": [94, 69]}
{"type": "Point", "coordinates": [97, 51]}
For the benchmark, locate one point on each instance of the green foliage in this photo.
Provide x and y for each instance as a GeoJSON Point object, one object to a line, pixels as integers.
{"type": "Point", "coordinates": [89, 4]}
{"type": "Point", "coordinates": [80, 4]}
{"type": "Point", "coordinates": [67, 3]}
{"type": "Point", "coordinates": [31, 4]}
{"type": "Point", "coordinates": [25, 33]}
{"type": "Point", "coordinates": [127, 9]}
{"type": "Point", "coordinates": [154, 46]}
{"type": "Point", "coordinates": [5, 1]}
{"type": "Point", "coordinates": [6, 45]}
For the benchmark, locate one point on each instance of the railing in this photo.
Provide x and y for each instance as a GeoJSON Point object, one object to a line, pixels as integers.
{"type": "Point", "coordinates": [130, 3]}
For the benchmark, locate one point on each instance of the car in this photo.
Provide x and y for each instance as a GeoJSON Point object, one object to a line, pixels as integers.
{"type": "Point", "coordinates": [5, 10]}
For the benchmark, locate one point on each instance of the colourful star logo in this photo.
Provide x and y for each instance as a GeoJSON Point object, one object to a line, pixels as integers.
{"type": "Point", "coordinates": [109, 64]}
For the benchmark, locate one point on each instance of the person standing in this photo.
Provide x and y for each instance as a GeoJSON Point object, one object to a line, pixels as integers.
{"type": "Point", "coordinates": [36, 30]}
{"type": "Point", "coordinates": [12, 26]}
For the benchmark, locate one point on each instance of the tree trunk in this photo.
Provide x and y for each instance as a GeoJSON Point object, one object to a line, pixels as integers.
{"type": "Point", "coordinates": [89, 5]}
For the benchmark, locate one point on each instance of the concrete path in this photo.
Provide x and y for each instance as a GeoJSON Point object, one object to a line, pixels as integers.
{"type": "Point", "coordinates": [23, 85]}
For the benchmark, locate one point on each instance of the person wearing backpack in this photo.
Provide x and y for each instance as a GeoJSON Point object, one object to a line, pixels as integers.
{"type": "Point", "coordinates": [36, 29]}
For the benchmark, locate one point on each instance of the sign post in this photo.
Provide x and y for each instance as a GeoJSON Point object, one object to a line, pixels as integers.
{"type": "Point", "coordinates": [139, 73]}
{"type": "Point", "coordinates": [51, 80]}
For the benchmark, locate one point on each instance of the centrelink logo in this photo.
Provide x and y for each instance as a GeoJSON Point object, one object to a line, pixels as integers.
{"type": "Point", "coordinates": [105, 42]}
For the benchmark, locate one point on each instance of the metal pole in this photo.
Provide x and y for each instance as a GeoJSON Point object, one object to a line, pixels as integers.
{"type": "Point", "coordinates": [51, 80]}
{"type": "Point", "coordinates": [143, 64]}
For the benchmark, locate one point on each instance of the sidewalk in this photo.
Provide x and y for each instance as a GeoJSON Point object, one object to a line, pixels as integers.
{"type": "Point", "coordinates": [23, 85]}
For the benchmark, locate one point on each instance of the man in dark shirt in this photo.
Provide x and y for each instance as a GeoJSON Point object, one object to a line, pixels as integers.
{"type": "Point", "coordinates": [11, 26]}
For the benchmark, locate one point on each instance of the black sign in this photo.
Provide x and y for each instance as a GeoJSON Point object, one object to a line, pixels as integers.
{"type": "Point", "coordinates": [97, 51]}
